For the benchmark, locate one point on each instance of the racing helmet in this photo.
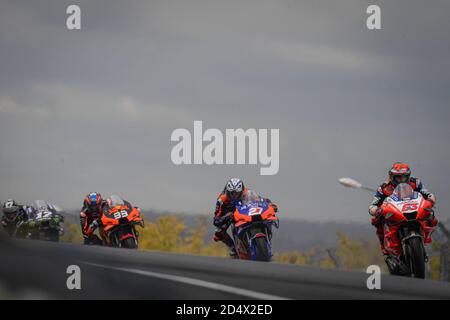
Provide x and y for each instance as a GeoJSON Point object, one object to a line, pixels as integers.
{"type": "Point", "coordinates": [234, 189]}
{"type": "Point", "coordinates": [399, 173]}
{"type": "Point", "coordinates": [94, 199]}
{"type": "Point", "coordinates": [10, 209]}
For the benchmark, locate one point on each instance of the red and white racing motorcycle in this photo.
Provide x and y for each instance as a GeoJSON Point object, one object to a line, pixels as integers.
{"type": "Point", "coordinates": [407, 229]}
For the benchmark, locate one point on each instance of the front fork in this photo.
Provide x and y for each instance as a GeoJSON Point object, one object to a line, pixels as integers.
{"type": "Point", "coordinates": [119, 232]}
{"type": "Point", "coordinates": [266, 229]}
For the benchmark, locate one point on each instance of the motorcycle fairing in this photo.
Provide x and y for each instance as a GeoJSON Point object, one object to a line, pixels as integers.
{"type": "Point", "coordinates": [260, 211]}
{"type": "Point", "coordinates": [112, 217]}
{"type": "Point", "coordinates": [399, 213]}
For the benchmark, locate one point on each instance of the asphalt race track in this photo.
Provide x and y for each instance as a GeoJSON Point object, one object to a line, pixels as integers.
{"type": "Point", "coordinates": [37, 270]}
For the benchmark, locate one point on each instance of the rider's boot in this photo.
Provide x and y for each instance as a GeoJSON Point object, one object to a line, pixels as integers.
{"type": "Point", "coordinates": [391, 264]}
{"type": "Point", "coordinates": [86, 240]}
{"type": "Point", "coordinates": [230, 244]}
{"type": "Point", "coordinates": [233, 253]}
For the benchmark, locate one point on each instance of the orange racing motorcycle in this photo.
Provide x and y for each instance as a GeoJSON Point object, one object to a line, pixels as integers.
{"type": "Point", "coordinates": [119, 221]}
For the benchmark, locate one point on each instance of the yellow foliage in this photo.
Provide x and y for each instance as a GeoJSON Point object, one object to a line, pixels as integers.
{"type": "Point", "coordinates": [194, 242]}
{"type": "Point", "coordinates": [72, 233]}
{"type": "Point", "coordinates": [164, 235]}
{"type": "Point", "coordinates": [435, 267]}
{"type": "Point", "coordinates": [353, 255]}
{"type": "Point", "coordinates": [356, 254]}
{"type": "Point", "coordinates": [327, 263]}
{"type": "Point", "coordinates": [294, 257]}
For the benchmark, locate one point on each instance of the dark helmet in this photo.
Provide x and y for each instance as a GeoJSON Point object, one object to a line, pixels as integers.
{"type": "Point", "coordinates": [234, 189]}
{"type": "Point", "coordinates": [399, 173]}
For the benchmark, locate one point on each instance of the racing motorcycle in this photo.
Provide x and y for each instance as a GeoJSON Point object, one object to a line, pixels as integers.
{"type": "Point", "coordinates": [45, 222]}
{"type": "Point", "coordinates": [407, 229]}
{"type": "Point", "coordinates": [11, 223]}
{"type": "Point", "coordinates": [252, 223]}
{"type": "Point", "coordinates": [119, 223]}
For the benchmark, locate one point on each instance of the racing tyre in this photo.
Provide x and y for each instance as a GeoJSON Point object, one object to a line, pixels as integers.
{"type": "Point", "coordinates": [261, 249]}
{"type": "Point", "coordinates": [417, 257]}
{"type": "Point", "coordinates": [129, 243]}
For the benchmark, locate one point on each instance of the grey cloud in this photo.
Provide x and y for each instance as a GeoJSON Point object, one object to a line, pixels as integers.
{"type": "Point", "coordinates": [94, 109]}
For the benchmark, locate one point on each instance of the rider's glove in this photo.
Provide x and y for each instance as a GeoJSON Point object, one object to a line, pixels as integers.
{"type": "Point", "coordinates": [379, 212]}
{"type": "Point", "coordinates": [275, 207]}
{"type": "Point", "coordinates": [375, 211]}
{"type": "Point", "coordinates": [218, 222]}
{"type": "Point", "coordinates": [221, 221]}
{"type": "Point", "coordinates": [432, 199]}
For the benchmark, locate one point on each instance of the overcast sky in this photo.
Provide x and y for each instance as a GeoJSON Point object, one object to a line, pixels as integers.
{"type": "Point", "coordinates": [93, 109]}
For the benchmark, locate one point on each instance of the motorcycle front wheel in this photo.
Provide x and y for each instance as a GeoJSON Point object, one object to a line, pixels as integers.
{"type": "Point", "coordinates": [416, 255]}
{"type": "Point", "coordinates": [260, 249]}
{"type": "Point", "coordinates": [129, 243]}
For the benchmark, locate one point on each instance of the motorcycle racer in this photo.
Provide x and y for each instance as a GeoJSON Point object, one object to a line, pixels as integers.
{"type": "Point", "coordinates": [233, 192]}
{"type": "Point", "coordinates": [399, 173]}
{"type": "Point", "coordinates": [14, 217]}
{"type": "Point", "coordinates": [107, 205]}
{"type": "Point", "coordinates": [44, 221]}
{"type": "Point", "coordinates": [91, 211]}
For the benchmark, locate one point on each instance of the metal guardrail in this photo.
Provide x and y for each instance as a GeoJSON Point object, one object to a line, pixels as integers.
{"type": "Point", "coordinates": [445, 254]}
{"type": "Point", "coordinates": [445, 262]}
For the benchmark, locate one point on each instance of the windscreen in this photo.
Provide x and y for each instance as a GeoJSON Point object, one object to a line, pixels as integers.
{"type": "Point", "coordinates": [250, 197]}
{"type": "Point", "coordinates": [116, 200]}
{"type": "Point", "coordinates": [41, 205]}
{"type": "Point", "coordinates": [404, 191]}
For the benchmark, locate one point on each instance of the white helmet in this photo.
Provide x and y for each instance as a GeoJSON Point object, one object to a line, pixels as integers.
{"type": "Point", "coordinates": [234, 189]}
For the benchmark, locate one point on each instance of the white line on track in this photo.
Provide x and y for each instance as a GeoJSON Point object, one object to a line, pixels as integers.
{"type": "Point", "coordinates": [195, 282]}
